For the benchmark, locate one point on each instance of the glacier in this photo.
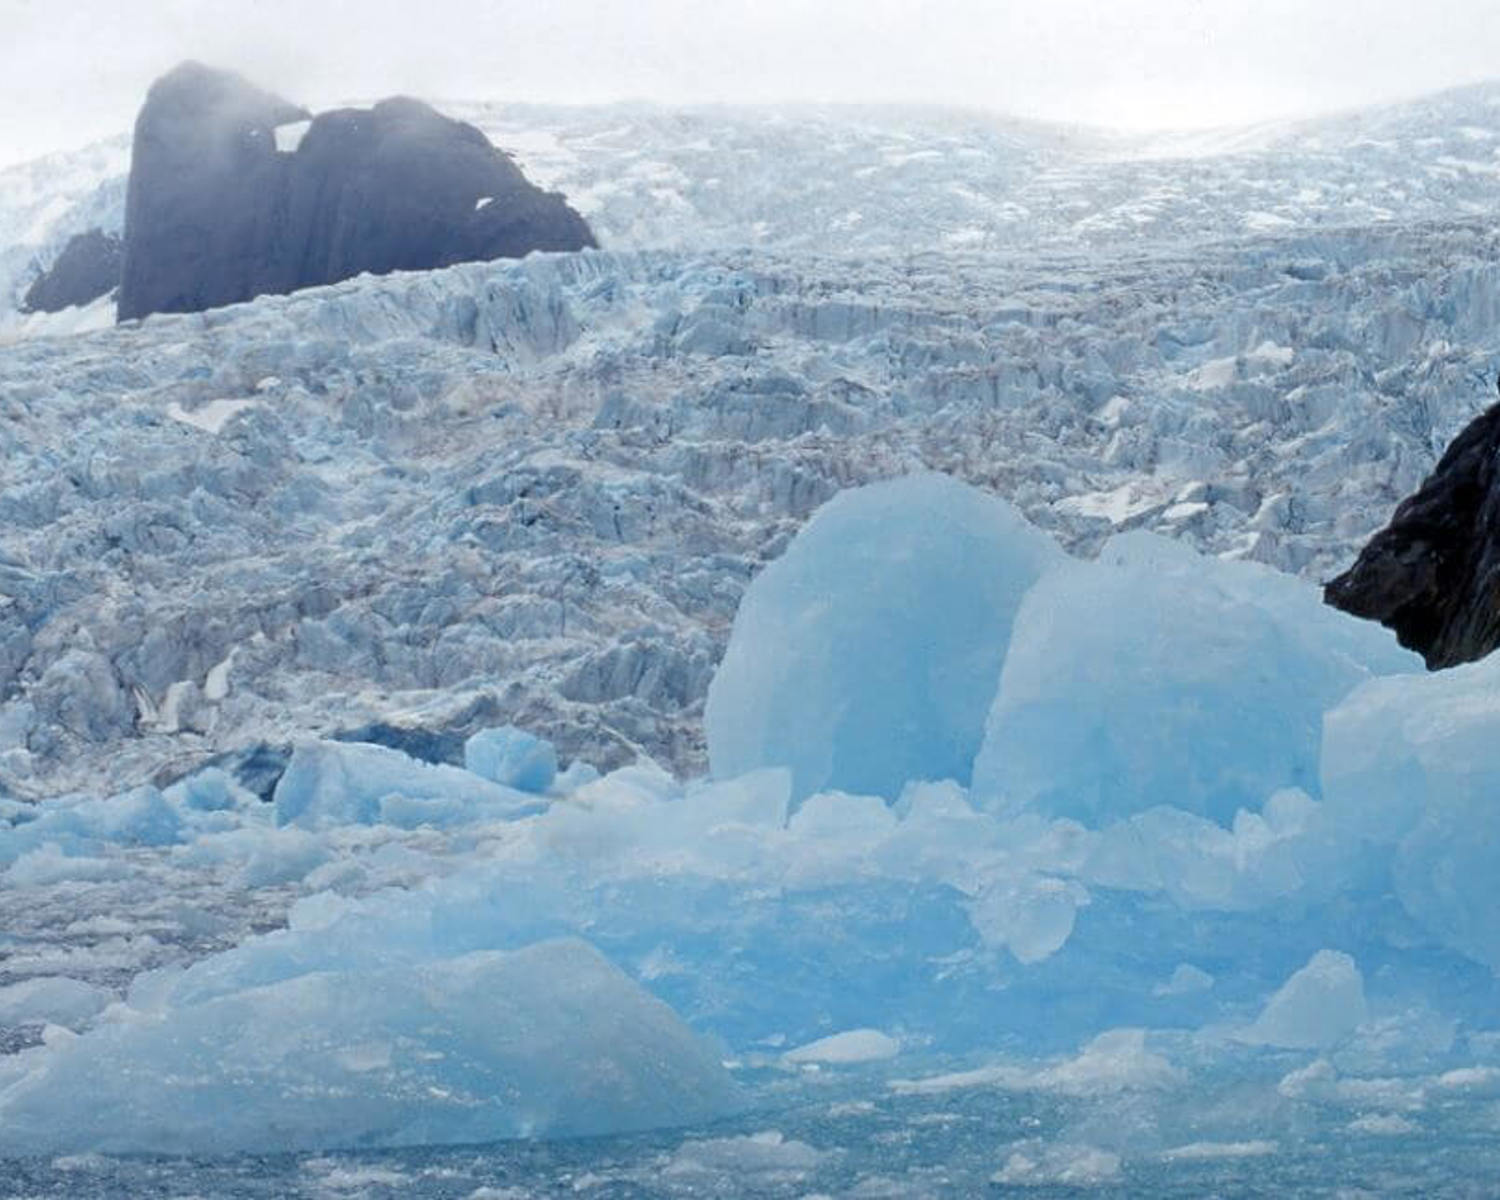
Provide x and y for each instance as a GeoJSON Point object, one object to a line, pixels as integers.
{"type": "Point", "coordinates": [385, 673]}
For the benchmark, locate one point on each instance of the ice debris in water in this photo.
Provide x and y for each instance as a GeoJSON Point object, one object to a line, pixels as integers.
{"type": "Point", "coordinates": [1034, 1163]}
{"type": "Point", "coordinates": [54, 1000]}
{"type": "Point", "coordinates": [866, 656]}
{"type": "Point", "coordinates": [1326, 895]}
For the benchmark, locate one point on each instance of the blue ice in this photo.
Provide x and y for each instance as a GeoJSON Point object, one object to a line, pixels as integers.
{"type": "Point", "coordinates": [867, 655]}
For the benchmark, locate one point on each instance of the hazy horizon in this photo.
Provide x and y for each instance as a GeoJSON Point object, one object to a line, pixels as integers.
{"type": "Point", "coordinates": [78, 73]}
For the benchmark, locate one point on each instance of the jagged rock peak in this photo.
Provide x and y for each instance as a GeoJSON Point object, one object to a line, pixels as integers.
{"type": "Point", "coordinates": [213, 97]}
{"type": "Point", "coordinates": [235, 192]}
{"type": "Point", "coordinates": [1433, 573]}
{"type": "Point", "coordinates": [87, 268]}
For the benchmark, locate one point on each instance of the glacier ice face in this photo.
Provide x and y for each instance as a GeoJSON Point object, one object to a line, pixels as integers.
{"type": "Point", "coordinates": [1153, 677]}
{"type": "Point", "coordinates": [584, 460]}
{"type": "Point", "coordinates": [546, 1041]}
{"type": "Point", "coordinates": [866, 656]}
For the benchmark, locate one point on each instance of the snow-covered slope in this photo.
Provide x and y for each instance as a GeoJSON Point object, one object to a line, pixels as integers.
{"type": "Point", "coordinates": [869, 181]}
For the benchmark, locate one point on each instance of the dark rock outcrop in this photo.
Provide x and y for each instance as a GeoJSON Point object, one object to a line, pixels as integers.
{"type": "Point", "coordinates": [1433, 573]}
{"type": "Point", "coordinates": [217, 214]}
{"type": "Point", "coordinates": [87, 268]}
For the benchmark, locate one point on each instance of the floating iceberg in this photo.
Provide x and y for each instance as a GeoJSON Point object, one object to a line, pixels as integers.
{"type": "Point", "coordinates": [1156, 676]}
{"type": "Point", "coordinates": [547, 1041]}
{"type": "Point", "coordinates": [1411, 768]}
{"type": "Point", "coordinates": [867, 655]}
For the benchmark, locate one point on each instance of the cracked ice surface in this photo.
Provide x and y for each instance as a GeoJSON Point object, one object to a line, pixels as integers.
{"type": "Point", "coordinates": [535, 491]}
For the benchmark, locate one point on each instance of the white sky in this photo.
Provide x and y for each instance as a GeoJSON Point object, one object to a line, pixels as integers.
{"type": "Point", "coordinates": [75, 70]}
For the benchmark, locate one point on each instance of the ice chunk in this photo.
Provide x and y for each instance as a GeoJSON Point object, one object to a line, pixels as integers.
{"type": "Point", "coordinates": [1409, 764]}
{"type": "Point", "coordinates": [343, 783]}
{"type": "Point", "coordinates": [210, 790]}
{"type": "Point", "coordinates": [511, 757]}
{"type": "Point", "coordinates": [1278, 852]}
{"type": "Point", "coordinates": [1033, 917]}
{"type": "Point", "coordinates": [1382, 1125]}
{"type": "Point", "coordinates": [1215, 1151]}
{"type": "Point", "coordinates": [1186, 979]}
{"type": "Point", "coordinates": [1158, 676]}
{"type": "Point", "coordinates": [855, 1046]}
{"type": "Point", "coordinates": [867, 655]}
{"type": "Point", "coordinates": [48, 864]}
{"type": "Point", "coordinates": [1118, 1060]}
{"type": "Point", "coordinates": [265, 856]}
{"type": "Point", "coordinates": [1035, 1163]}
{"type": "Point", "coordinates": [1319, 1006]}
{"type": "Point", "coordinates": [56, 1000]}
{"type": "Point", "coordinates": [141, 817]}
{"type": "Point", "coordinates": [762, 1160]}
{"type": "Point", "coordinates": [550, 1040]}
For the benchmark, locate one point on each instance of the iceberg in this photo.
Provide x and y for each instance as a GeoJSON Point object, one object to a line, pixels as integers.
{"type": "Point", "coordinates": [866, 656]}
{"type": "Point", "coordinates": [1411, 773]}
{"type": "Point", "coordinates": [1157, 676]}
{"type": "Point", "coordinates": [1319, 1006]}
{"type": "Point", "coordinates": [546, 1041]}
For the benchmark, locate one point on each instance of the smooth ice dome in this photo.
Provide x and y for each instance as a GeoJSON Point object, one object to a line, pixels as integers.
{"type": "Point", "coordinates": [1157, 676]}
{"type": "Point", "coordinates": [547, 1041]}
{"type": "Point", "coordinates": [866, 656]}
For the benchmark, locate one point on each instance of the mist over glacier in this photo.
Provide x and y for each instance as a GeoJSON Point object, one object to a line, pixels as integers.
{"type": "Point", "coordinates": [1186, 880]}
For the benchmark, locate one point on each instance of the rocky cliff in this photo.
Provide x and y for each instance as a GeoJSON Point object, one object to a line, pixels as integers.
{"type": "Point", "coordinates": [1433, 573]}
{"type": "Point", "coordinates": [87, 268]}
{"type": "Point", "coordinates": [235, 193]}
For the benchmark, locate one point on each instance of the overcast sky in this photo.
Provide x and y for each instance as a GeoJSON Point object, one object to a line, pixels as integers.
{"type": "Point", "coordinates": [75, 70]}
